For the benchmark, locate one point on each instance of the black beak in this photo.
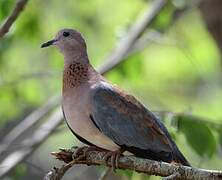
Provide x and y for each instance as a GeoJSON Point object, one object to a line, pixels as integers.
{"type": "Point", "coordinates": [49, 43]}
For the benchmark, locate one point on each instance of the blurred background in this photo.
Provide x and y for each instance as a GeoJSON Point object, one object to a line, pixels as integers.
{"type": "Point", "coordinates": [174, 68]}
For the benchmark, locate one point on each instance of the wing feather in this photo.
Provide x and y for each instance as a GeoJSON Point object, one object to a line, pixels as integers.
{"type": "Point", "coordinates": [126, 121]}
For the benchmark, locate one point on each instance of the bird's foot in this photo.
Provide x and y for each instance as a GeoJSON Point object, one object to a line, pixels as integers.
{"type": "Point", "coordinates": [175, 163]}
{"type": "Point", "coordinates": [81, 152]}
{"type": "Point", "coordinates": [63, 155]}
{"type": "Point", "coordinates": [114, 158]}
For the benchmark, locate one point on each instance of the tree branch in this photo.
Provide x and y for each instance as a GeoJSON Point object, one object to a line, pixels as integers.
{"type": "Point", "coordinates": [127, 42]}
{"type": "Point", "coordinates": [140, 165]}
{"type": "Point", "coordinates": [211, 13]}
{"type": "Point", "coordinates": [27, 123]}
{"type": "Point", "coordinates": [30, 144]}
{"type": "Point", "coordinates": [19, 6]}
{"type": "Point", "coordinates": [29, 76]}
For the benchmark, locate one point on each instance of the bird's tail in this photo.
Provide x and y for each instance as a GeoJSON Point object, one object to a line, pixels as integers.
{"type": "Point", "coordinates": [179, 157]}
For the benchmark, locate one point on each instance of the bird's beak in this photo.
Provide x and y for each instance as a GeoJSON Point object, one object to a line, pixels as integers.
{"type": "Point", "coordinates": [49, 43]}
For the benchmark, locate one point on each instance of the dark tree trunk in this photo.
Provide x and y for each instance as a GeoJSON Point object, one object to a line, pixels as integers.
{"type": "Point", "coordinates": [212, 15]}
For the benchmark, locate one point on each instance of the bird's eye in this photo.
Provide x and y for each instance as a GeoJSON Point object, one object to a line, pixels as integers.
{"type": "Point", "coordinates": [65, 34]}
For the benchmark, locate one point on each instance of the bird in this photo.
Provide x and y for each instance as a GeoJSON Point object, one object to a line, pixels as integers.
{"type": "Point", "coordinates": [103, 116]}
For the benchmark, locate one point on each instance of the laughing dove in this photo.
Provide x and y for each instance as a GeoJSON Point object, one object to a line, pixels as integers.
{"type": "Point", "coordinates": [101, 115]}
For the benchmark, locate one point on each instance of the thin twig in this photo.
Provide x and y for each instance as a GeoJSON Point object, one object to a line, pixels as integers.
{"type": "Point", "coordinates": [147, 166]}
{"type": "Point", "coordinates": [30, 144]}
{"type": "Point", "coordinates": [30, 121]}
{"type": "Point", "coordinates": [28, 76]}
{"type": "Point", "coordinates": [127, 42]}
{"type": "Point", "coordinates": [19, 6]}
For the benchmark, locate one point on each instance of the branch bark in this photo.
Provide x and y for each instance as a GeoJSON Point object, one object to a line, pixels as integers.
{"type": "Point", "coordinates": [140, 165]}
{"type": "Point", "coordinates": [19, 6]}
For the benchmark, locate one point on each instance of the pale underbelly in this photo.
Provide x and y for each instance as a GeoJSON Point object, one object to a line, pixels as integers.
{"type": "Point", "coordinates": [84, 127]}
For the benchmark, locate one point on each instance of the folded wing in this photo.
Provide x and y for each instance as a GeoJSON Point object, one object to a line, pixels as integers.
{"type": "Point", "coordinates": [127, 122]}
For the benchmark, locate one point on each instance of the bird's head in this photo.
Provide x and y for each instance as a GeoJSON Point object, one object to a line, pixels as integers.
{"type": "Point", "coordinates": [68, 41]}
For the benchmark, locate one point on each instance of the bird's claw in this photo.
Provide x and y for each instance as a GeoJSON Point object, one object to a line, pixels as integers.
{"type": "Point", "coordinates": [114, 158]}
{"type": "Point", "coordinates": [64, 155]}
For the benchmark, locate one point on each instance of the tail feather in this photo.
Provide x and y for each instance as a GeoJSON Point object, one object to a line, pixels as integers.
{"type": "Point", "coordinates": [179, 158]}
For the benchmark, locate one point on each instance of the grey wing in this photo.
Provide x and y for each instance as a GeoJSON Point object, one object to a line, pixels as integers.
{"type": "Point", "coordinates": [127, 122]}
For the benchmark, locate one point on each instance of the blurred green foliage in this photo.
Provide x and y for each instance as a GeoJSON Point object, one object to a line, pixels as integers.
{"type": "Point", "coordinates": [198, 135]}
{"type": "Point", "coordinates": [19, 171]}
{"type": "Point", "coordinates": [178, 72]}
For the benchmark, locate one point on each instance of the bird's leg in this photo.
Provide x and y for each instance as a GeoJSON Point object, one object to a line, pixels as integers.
{"type": "Point", "coordinates": [78, 152]}
{"type": "Point", "coordinates": [114, 158]}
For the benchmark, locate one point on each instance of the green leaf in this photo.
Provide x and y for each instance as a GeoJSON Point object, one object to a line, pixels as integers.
{"type": "Point", "coordinates": [164, 18]}
{"type": "Point", "coordinates": [198, 135]}
{"type": "Point", "coordinates": [5, 8]}
{"type": "Point", "coordinates": [19, 171]}
{"type": "Point", "coordinates": [133, 69]}
{"type": "Point", "coordinates": [220, 138]}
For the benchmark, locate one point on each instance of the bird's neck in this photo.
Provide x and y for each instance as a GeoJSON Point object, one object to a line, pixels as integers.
{"type": "Point", "coordinates": [75, 57]}
{"type": "Point", "coordinates": [77, 71]}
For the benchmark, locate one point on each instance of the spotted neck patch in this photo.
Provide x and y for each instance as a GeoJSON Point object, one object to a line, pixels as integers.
{"type": "Point", "coordinates": [75, 74]}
